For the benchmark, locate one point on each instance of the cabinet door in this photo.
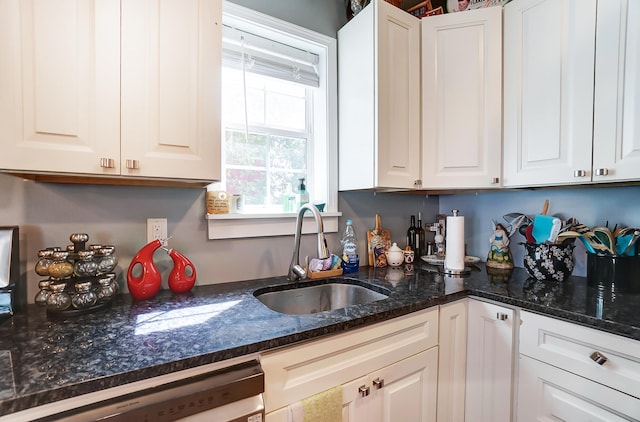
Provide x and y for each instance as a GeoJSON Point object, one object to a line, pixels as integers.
{"type": "Point", "coordinates": [171, 55]}
{"type": "Point", "coordinates": [59, 85]}
{"type": "Point", "coordinates": [616, 138]}
{"type": "Point", "coordinates": [397, 103]}
{"type": "Point", "coordinates": [452, 361]}
{"type": "Point", "coordinates": [549, 50]}
{"type": "Point", "coordinates": [462, 99]}
{"type": "Point", "coordinates": [489, 363]}
{"type": "Point", "coordinates": [403, 391]}
{"type": "Point", "coordinates": [547, 393]}
{"type": "Point", "coordinates": [379, 99]}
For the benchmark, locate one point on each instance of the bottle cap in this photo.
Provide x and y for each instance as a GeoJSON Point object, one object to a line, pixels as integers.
{"type": "Point", "coordinates": [302, 186]}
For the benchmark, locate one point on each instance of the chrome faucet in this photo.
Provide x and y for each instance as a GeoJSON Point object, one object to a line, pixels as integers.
{"type": "Point", "coordinates": [296, 272]}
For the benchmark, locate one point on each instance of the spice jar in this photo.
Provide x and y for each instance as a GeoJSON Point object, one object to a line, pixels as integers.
{"type": "Point", "coordinates": [84, 297]}
{"type": "Point", "coordinates": [86, 265]}
{"type": "Point", "coordinates": [44, 261]}
{"type": "Point", "coordinates": [44, 293]}
{"type": "Point", "coordinates": [58, 300]}
{"type": "Point", "coordinates": [107, 260]}
{"type": "Point", "coordinates": [106, 290]}
{"type": "Point", "coordinates": [60, 267]}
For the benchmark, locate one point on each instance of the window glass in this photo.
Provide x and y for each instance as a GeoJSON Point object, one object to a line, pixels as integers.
{"type": "Point", "coordinates": [264, 159]}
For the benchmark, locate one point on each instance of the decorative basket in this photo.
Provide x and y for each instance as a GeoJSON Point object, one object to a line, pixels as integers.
{"type": "Point", "coordinates": [549, 262]}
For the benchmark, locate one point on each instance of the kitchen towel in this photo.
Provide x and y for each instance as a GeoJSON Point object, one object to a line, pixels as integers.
{"type": "Point", "coordinates": [322, 407]}
{"type": "Point", "coordinates": [454, 252]}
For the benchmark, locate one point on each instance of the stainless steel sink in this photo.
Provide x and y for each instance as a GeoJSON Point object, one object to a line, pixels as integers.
{"type": "Point", "coordinates": [317, 298]}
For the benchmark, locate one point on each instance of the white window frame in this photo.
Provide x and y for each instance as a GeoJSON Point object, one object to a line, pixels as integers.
{"type": "Point", "coordinates": [325, 155]}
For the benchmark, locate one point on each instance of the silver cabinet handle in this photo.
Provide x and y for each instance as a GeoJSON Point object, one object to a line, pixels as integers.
{"type": "Point", "coordinates": [364, 391]}
{"type": "Point", "coordinates": [598, 358]}
{"type": "Point", "coordinates": [495, 180]}
{"type": "Point", "coordinates": [378, 383]}
{"type": "Point", "coordinates": [132, 164]}
{"type": "Point", "coordinates": [417, 182]}
{"type": "Point", "coordinates": [502, 316]}
{"type": "Point", "coordinates": [602, 172]}
{"type": "Point", "coordinates": [107, 163]}
{"type": "Point", "coordinates": [579, 173]}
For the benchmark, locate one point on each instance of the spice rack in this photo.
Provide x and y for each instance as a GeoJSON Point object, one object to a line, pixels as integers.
{"type": "Point", "coordinates": [80, 278]}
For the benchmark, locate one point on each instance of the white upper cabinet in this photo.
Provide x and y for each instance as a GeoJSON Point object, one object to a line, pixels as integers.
{"type": "Point", "coordinates": [548, 91]}
{"type": "Point", "coordinates": [616, 137]}
{"type": "Point", "coordinates": [462, 99]}
{"type": "Point", "coordinates": [379, 99]}
{"type": "Point", "coordinates": [60, 85]}
{"type": "Point", "coordinates": [108, 88]}
{"type": "Point", "coordinates": [571, 92]}
{"type": "Point", "coordinates": [170, 88]}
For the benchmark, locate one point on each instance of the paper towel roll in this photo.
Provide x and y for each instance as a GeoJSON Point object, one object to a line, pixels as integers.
{"type": "Point", "coordinates": [454, 252]}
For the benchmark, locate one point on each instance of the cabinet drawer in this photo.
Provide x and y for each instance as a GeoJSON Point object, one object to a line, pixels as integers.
{"type": "Point", "coordinates": [548, 393]}
{"type": "Point", "coordinates": [570, 347]}
{"type": "Point", "coordinates": [294, 373]}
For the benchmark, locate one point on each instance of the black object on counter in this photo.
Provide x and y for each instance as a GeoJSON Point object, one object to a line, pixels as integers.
{"type": "Point", "coordinates": [614, 273]}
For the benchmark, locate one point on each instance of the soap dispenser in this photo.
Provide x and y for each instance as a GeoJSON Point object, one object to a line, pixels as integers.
{"type": "Point", "coordinates": [302, 196]}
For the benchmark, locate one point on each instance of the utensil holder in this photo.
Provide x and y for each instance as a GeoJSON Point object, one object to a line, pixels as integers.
{"type": "Point", "coordinates": [549, 262]}
{"type": "Point", "coordinates": [614, 273]}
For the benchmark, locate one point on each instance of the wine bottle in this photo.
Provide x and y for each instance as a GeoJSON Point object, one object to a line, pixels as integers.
{"type": "Point", "coordinates": [411, 234]}
{"type": "Point", "coordinates": [420, 238]}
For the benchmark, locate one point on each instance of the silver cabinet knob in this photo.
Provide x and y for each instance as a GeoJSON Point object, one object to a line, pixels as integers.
{"type": "Point", "coordinates": [364, 391]}
{"type": "Point", "coordinates": [602, 172]}
{"type": "Point", "coordinates": [132, 164]}
{"type": "Point", "coordinates": [502, 316]}
{"type": "Point", "coordinates": [417, 183]}
{"type": "Point", "coordinates": [378, 383]}
{"type": "Point", "coordinates": [107, 163]}
{"type": "Point", "coordinates": [579, 173]}
{"type": "Point", "coordinates": [598, 358]}
{"type": "Point", "coordinates": [495, 180]}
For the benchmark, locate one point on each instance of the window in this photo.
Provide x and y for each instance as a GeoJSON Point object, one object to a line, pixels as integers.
{"type": "Point", "coordinates": [278, 111]}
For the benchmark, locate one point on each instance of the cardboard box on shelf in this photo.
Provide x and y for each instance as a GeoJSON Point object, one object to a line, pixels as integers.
{"type": "Point", "coordinates": [424, 8]}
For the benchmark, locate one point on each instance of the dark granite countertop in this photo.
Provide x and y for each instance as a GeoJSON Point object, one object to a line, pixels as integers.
{"type": "Point", "coordinates": [45, 359]}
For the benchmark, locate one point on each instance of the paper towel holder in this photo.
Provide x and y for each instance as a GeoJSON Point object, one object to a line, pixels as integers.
{"type": "Point", "coordinates": [455, 271]}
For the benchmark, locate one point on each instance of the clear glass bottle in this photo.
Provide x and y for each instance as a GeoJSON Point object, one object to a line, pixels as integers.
{"type": "Point", "coordinates": [58, 300]}
{"type": "Point", "coordinates": [105, 290]}
{"type": "Point", "coordinates": [107, 260]}
{"type": "Point", "coordinates": [86, 265]}
{"type": "Point", "coordinates": [84, 297]}
{"type": "Point", "coordinates": [44, 261]}
{"type": "Point", "coordinates": [44, 293]}
{"type": "Point", "coordinates": [350, 257]}
{"type": "Point", "coordinates": [61, 267]}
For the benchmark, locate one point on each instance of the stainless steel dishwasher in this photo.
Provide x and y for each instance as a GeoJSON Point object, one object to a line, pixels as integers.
{"type": "Point", "coordinates": [232, 394]}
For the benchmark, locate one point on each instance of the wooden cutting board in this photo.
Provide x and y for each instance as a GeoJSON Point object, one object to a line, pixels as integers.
{"type": "Point", "coordinates": [378, 242]}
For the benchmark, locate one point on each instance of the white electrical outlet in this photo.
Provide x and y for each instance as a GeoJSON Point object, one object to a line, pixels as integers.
{"type": "Point", "coordinates": [157, 229]}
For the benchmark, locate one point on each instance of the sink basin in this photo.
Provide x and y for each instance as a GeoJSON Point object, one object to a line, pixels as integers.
{"type": "Point", "coordinates": [317, 298]}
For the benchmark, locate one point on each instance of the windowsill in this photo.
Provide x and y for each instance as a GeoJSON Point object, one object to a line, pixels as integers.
{"type": "Point", "coordinates": [242, 225]}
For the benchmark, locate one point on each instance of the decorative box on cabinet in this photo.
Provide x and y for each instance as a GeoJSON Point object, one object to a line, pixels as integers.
{"type": "Point", "coordinates": [575, 373]}
{"type": "Point", "coordinates": [366, 354]}
{"type": "Point", "coordinates": [125, 90]}
{"type": "Point", "coordinates": [462, 99]}
{"type": "Point", "coordinates": [379, 99]}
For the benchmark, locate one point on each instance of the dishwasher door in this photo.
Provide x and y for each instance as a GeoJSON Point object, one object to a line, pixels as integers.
{"type": "Point", "coordinates": [232, 394]}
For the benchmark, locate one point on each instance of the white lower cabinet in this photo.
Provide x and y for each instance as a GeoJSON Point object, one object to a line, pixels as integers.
{"type": "Point", "coordinates": [573, 373]}
{"type": "Point", "coordinates": [452, 359]}
{"type": "Point", "coordinates": [547, 393]}
{"type": "Point", "coordinates": [489, 371]}
{"type": "Point", "coordinates": [396, 361]}
{"type": "Point", "coordinates": [404, 391]}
